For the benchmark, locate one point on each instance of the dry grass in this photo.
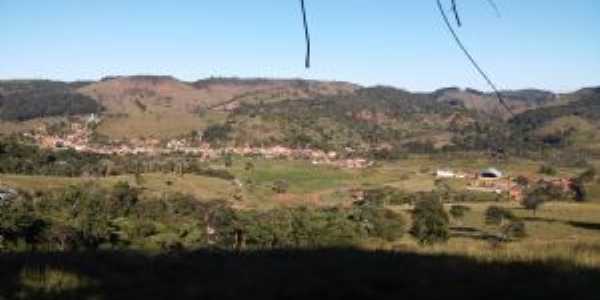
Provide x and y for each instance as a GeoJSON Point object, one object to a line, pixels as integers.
{"type": "Point", "coordinates": [566, 231]}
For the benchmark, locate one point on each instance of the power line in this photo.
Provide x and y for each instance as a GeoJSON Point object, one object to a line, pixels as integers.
{"type": "Point", "coordinates": [470, 57]}
{"type": "Point", "coordinates": [495, 7]}
{"type": "Point", "coordinates": [306, 34]}
{"type": "Point", "coordinates": [456, 15]}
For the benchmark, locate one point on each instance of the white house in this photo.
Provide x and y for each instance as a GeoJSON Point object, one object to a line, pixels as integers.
{"type": "Point", "coordinates": [445, 174]}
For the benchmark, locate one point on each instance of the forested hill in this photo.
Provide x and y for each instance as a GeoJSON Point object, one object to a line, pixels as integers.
{"type": "Point", "coordinates": [29, 99]}
{"type": "Point", "coordinates": [328, 115]}
{"type": "Point", "coordinates": [370, 118]}
{"type": "Point", "coordinates": [587, 107]}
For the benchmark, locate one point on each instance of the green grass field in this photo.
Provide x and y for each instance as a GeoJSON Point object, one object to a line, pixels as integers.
{"type": "Point", "coordinates": [566, 229]}
{"type": "Point", "coordinates": [562, 242]}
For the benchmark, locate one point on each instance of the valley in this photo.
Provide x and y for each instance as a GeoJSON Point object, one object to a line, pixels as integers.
{"type": "Point", "coordinates": [155, 165]}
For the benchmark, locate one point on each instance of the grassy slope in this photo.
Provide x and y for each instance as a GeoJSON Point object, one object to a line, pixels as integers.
{"type": "Point", "coordinates": [563, 236]}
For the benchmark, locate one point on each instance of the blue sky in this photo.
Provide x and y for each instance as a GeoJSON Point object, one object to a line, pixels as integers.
{"type": "Point", "coordinates": [536, 43]}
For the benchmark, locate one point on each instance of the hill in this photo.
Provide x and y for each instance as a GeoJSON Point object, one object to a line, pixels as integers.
{"type": "Point", "coordinates": [574, 124]}
{"type": "Point", "coordinates": [370, 118]}
{"type": "Point", "coordinates": [518, 100]}
{"type": "Point", "coordinates": [165, 107]}
{"type": "Point", "coordinates": [30, 99]}
{"type": "Point", "coordinates": [331, 115]}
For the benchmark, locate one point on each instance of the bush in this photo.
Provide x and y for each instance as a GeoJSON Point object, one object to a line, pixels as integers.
{"type": "Point", "coordinates": [228, 160]}
{"type": "Point", "coordinates": [216, 173]}
{"type": "Point", "coordinates": [510, 226]}
{"type": "Point", "coordinates": [458, 211]}
{"type": "Point", "coordinates": [430, 222]}
{"type": "Point", "coordinates": [280, 186]}
{"type": "Point", "coordinates": [380, 223]}
{"type": "Point", "coordinates": [215, 134]}
{"type": "Point", "coordinates": [588, 175]}
{"type": "Point", "coordinates": [514, 229]}
{"type": "Point", "coordinates": [547, 170]}
{"type": "Point", "coordinates": [495, 215]}
{"type": "Point", "coordinates": [533, 202]}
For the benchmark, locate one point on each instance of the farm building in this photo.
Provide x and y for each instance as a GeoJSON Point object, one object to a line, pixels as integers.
{"type": "Point", "coordinates": [443, 173]}
{"type": "Point", "coordinates": [446, 173]}
{"type": "Point", "coordinates": [491, 174]}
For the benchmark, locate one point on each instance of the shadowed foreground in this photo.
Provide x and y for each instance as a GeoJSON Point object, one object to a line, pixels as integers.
{"type": "Point", "coordinates": [301, 274]}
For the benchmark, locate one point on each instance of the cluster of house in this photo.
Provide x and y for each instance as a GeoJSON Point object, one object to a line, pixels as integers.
{"type": "Point", "coordinates": [494, 181]}
{"type": "Point", "coordinates": [79, 138]}
{"type": "Point", "coordinates": [317, 157]}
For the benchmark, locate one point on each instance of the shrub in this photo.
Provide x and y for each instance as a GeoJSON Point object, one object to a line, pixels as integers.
{"type": "Point", "coordinates": [495, 215]}
{"type": "Point", "coordinates": [123, 197]}
{"type": "Point", "coordinates": [547, 170]}
{"type": "Point", "coordinates": [216, 133]}
{"type": "Point", "coordinates": [514, 229]}
{"type": "Point", "coordinates": [280, 186]}
{"type": "Point", "coordinates": [228, 160]}
{"type": "Point", "coordinates": [522, 180]}
{"type": "Point", "coordinates": [380, 223]}
{"type": "Point", "coordinates": [209, 172]}
{"type": "Point", "coordinates": [430, 222]}
{"type": "Point", "coordinates": [510, 226]}
{"type": "Point", "coordinates": [588, 175]}
{"type": "Point", "coordinates": [458, 211]}
{"type": "Point", "coordinates": [532, 202]}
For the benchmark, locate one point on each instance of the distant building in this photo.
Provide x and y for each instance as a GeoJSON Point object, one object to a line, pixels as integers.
{"type": "Point", "coordinates": [445, 174]}
{"type": "Point", "coordinates": [491, 173]}
{"type": "Point", "coordinates": [516, 193]}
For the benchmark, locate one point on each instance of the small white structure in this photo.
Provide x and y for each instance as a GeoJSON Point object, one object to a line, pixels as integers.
{"type": "Point", "coordinates": [442, 173]}
{"type": "Point", "coordinates": [6, 195]}
{"type": "Point", "coordinates": [93, 119]}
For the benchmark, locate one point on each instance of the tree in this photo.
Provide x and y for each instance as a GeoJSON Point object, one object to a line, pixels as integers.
{"type": "Point", "coordinates": [588, 175]}
{"type": "Point", "coordinates": [380, 222]}
{"type": "Point", "coordinates": [123, 197]}
{"type": "Point", "coordinates": [578, 185]}
{"type": "Point", "coordinates": [580, 191]}
{"type": "Point", "coordinates": [514, 229]}
{"type": "Point", "coordinates": [509, 225]}
{"type": "Point", "coordinates": [458, 212]}
{"type": "Point", "coordinates": [228, 160]}
{"type": "Point", "coordinates": [533, 202]}
{"type": "Point", "coordinates": [495, 215]}
{"type": "Point", "coordinates": [216, 134]}
{"type": "Point", "coordinates": [430, 222]}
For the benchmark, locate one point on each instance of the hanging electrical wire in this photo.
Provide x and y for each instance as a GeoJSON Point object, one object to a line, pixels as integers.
{"type": "Point", "coordinates": [306, 34]}
{"type": "Point", "coordinates": [457, 39]}
{"type": "Point", "coordinates": [456, 15]}
{"type": "Point", "coordinates": [495, 7]}
{"type": "Point", "coordinates": [468, 54]}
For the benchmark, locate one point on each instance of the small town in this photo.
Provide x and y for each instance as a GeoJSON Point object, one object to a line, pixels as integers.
{"type": "Point", "coordinates": [78, 138]}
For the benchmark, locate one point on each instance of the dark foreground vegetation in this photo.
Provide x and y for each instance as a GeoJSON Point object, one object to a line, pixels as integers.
{"type": "Point", "coordinates": [287, 274]}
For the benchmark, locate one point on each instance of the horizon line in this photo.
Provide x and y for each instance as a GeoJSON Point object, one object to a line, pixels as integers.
{"type": "Point", "coordinates": [462, 88]}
